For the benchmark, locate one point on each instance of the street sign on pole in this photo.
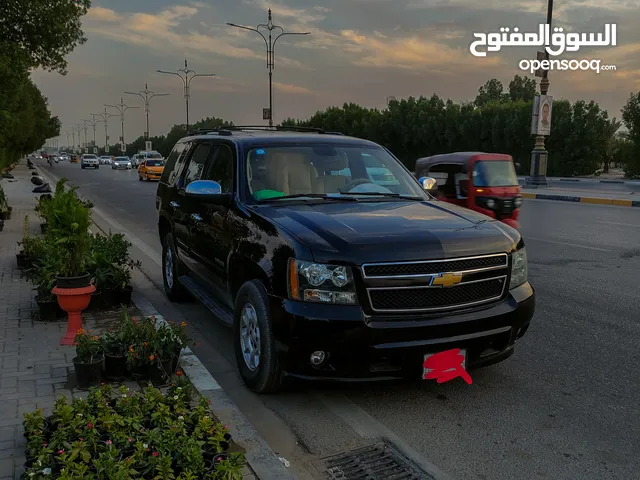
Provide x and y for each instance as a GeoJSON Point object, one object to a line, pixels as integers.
{"type": "Point", "coordinates": [86, 150]}
{"type": "Point", "coordinates": [266, 114]}
{"type": "Point", "coordinates": [123, 147]}
{"type": "Point", "coordinates": [95, 150]}
{"type": "Point", "coordinates": [106, 149]}
{"type": "Point", "coordinates": [147, 145]}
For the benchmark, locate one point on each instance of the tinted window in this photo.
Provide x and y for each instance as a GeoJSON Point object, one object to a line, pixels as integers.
{"type": "Point", "coordinates": [154, 155]}
{"type": "Point", "coordinates": [196, 164]}
{"type": "Point", "coordinates": [494, 173]}
{"type": "Point", "coordinates": [221, 169]}
{"type": "Point", "coordinates": [168, 175]}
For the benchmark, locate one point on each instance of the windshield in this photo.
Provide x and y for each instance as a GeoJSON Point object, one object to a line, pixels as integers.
{"type": "Point", "coordinates": [121, 159]}
{"type": "Point", "coordinates": [494, 173]}
{"type": "Point", "coordinates": [154, 155]}
{"type": "Point", "coordinates": [91, 157]}
{"type": "Point", "coordinates": [327, 170]}
{"type": "Point", "coordinates": [155, 163]}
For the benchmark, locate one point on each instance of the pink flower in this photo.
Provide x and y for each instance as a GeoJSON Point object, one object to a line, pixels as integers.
{"type": "Point", "coordinates": [89, 425]}
{"type": "Point", "coordinates": [109, 442]}
{"type": "Point", "coordinates": [226, 427]}
{"type": "Point", "coordinates": [80, 439]}
{"type": "Point", "coordinates": [45, 444]}
{"type": "Point", "coordinates": [155, 454]}
{"type": "Point", "coordinates": [60, 452]}
{"type": "Point", "coordinates": [130, 439]}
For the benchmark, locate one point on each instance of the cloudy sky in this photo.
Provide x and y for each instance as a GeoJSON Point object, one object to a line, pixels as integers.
{"type": "Point", "coordinates": [359, 51]}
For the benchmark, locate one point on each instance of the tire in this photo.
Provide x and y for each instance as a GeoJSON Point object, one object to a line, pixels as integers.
{"type": "Point", "coordinates": [173, 289]}
{"type": "Point", "coordinates": [267, 377]}
{"type": "Point", "coordinates": [139, 178]}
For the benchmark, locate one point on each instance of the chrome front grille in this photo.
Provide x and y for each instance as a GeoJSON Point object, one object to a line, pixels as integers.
{"type": "Point", "coordinates": [484, 280]}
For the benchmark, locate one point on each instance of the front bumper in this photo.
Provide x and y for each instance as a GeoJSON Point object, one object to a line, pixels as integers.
{"type": "Point", "coordinates": [369, 347]}
{"type": "Point", "coordinates": [121, 166]}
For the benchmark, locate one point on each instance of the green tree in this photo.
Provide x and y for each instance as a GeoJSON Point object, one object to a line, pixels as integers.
{"type": "Point", "coordinates": [42, 32]}
{"type": "Point", "coordinates": [631, 119]}
{"type": "Point", "coordinates": [492, 90]}
{"type": "Point", "coordinates": [522, 88]}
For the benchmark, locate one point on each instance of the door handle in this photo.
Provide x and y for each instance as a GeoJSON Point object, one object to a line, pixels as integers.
{"type": "Point", "coordinates": [196, 217]}
{"type": "Point", "coordinates": [174, 204]}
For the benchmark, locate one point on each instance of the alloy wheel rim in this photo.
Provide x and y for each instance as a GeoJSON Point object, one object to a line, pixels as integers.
{"type": "Point", "coordinates": [168, 268]}
{"type": "Point", "coordinates": [250, 337]}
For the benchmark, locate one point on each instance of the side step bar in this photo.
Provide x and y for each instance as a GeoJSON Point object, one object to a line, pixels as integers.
{"type": "Point", "coordinates": [222, 313]}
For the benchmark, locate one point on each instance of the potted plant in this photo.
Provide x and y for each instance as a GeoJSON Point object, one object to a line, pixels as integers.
{"type": "Point", "coordinates": [41, 210]}
{"type": "Point", "coordinates": [42, 275]}
{"type": "Point", "coordinates": [21, 256]}
{"type": "Point", "coordinates": [88, 361]}
{"type": "Point", "coordinates": [115, 353]}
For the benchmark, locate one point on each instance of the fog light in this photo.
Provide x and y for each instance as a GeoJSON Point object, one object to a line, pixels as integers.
{"type": "Point", "coordinates": [318, 357]}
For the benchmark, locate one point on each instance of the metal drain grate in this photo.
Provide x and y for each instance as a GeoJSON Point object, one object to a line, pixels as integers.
{"type": "Point", "coordinates": [375, 462]}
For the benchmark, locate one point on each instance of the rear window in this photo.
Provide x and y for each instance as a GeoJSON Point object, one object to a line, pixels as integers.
{"type": "Point", "coordinates": [154, 155]}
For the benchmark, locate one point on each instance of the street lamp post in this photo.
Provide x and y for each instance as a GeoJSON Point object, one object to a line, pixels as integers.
{"type": "Point", "coordinates": [121, 107]}
{"type": "Point", "coordinates": [270, 43]}
{"type": "Point", "coordinates": [105, 116]}
{"type": "Point", "coordinates": [79, 129]}
{"type": "Point", "coordinates": [186, 75]}
{"type": "Point", "coordinates": [67, 132]}
{"type": "Point", "coordinates": [147, 95]}
{"type": "Point", "coordinates": [539, 154]}
{"type": "Point", "coordinates": [93, 124]}
{"type": "Point", "coordinates": [86, 142]}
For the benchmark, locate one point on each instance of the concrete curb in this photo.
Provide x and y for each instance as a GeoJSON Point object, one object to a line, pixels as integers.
{"type": "Point", "coordinates": [260, 457]}
{"type": "Point", "coordinates": [591, 200]}
{"type": "Point", "coordinates": [587, 180]}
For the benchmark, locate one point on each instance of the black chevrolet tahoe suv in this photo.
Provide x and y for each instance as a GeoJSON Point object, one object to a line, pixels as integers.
{"type": "Point", "coordinates": [331, 261]}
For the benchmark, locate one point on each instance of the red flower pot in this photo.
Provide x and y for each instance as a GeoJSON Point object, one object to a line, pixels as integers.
{"type": "Point", "coordinates": [73, 301]}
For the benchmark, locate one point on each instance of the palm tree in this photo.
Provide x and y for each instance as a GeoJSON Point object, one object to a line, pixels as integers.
{"type": "Point", "coordinates": [612, 142]}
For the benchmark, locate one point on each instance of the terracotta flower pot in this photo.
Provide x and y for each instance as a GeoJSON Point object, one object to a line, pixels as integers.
{"type": "Point", "coordinates": [73, 301]}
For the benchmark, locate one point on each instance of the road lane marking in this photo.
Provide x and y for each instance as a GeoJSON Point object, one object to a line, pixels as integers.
{"type": "Point", "coordinates": [567, 244]}
{"type": "Point", "coordinates": [369, 428]}
{"type": "Point", "coordinates": [621, 224]}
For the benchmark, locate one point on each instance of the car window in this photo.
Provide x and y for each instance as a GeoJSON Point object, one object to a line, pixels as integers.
{"type": "Point", "coordinates": [171, 169]}
{"type": "Point", "coordinates": [196, 163]}
{"type": "Point", "coordinates": [281, 170]}
{"type": "Point", "coordinates": [221, 168]}
{"type": "Point", "coordinates": [494, 173]}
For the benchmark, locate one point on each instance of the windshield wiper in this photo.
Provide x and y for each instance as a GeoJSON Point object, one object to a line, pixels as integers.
{"type": "Point", "coordinates": [385, 194]}
{"type": "Point", "coordinates": [322, 196]}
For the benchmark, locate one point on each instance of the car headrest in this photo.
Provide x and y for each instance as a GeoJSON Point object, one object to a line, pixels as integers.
{"type": "Point", "coordinates": [339, 162]}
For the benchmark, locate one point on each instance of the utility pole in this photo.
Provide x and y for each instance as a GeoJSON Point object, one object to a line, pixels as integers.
{"type": "Point", "coordinates": [93, 124]}
{"type": "Point", "coordinates": [147, 95]}
{"type": "Point", "coordinates": [67, 132]}
{"type": "Point", "coordinates": [186, 75]}
{"type": "Point", "coordinates": [539, 154]}
{"type": "Point", "coordinates": [86, 142]}
{"type": "Point", "coordinates": [104, 118]}
{"type": "Point", "coordinates": [121, 107]}
{"type": "Point", "coordinates": [270, 43]}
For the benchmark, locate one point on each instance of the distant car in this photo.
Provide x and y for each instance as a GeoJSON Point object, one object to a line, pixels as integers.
{"type": "Point", "coordinates": [150, 169]}
{"type": "Point", "coordinates": [137, 159]}
{"type": "Point", "coordinates": [89, 160]}
{"type": "Point", "coordinates": [55, 158]}
{"type": "Point", "coordinates": [121, 163]}
{"type": "Point", "coordinates": [105, 160]}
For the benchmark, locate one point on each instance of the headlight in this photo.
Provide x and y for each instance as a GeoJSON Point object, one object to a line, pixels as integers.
{"type": "Point", "coordinates": [518, 268]}
{"type": "Point", "coordinates": [518, 202]}
{"type": "Point", "coordinates": [491, 203]}
{"type": "Point", "coordinates": [317, 282]}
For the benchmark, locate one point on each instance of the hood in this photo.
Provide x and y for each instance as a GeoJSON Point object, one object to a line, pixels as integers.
{"type": "Point", "coordinates": [155, 169]}
{"type": "Point", "coordinates": [391, 231]}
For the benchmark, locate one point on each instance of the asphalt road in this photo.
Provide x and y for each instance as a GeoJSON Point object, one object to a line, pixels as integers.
{"type": "Point", "coordinates": [565, 406]}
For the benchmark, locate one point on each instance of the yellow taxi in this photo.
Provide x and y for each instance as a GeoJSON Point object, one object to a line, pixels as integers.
{"type": "Point", "coordinates": [150, 169]}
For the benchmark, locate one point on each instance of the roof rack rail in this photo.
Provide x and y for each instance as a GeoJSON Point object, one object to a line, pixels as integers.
{"type": "Point", "coordinates": [230, 128]}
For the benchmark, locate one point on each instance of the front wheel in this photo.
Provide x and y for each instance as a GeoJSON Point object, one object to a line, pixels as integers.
{"type": "Point", "coordinates": [139, 178]}
{"type": "Point", "coordinates": [255, 346]}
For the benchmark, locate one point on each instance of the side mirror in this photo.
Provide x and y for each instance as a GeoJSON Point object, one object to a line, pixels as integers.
{"type": "Point", "coordinates": [208, 191]}
{"type": "Point", "coordinates": [430, 185]}
{"type": "Point", "coordinates": [517, 165]}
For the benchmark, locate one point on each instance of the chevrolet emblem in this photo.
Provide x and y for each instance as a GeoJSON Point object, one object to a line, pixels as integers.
{"type": "Point", "coordinates": [446, 279]}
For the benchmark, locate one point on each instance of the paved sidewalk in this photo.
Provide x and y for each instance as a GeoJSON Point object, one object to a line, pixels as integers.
{"type": "Point", "coordinates": [33, 366]}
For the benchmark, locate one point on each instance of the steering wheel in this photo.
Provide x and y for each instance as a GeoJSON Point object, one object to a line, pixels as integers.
{"type": "Point", "coordinates": [354, 183]}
